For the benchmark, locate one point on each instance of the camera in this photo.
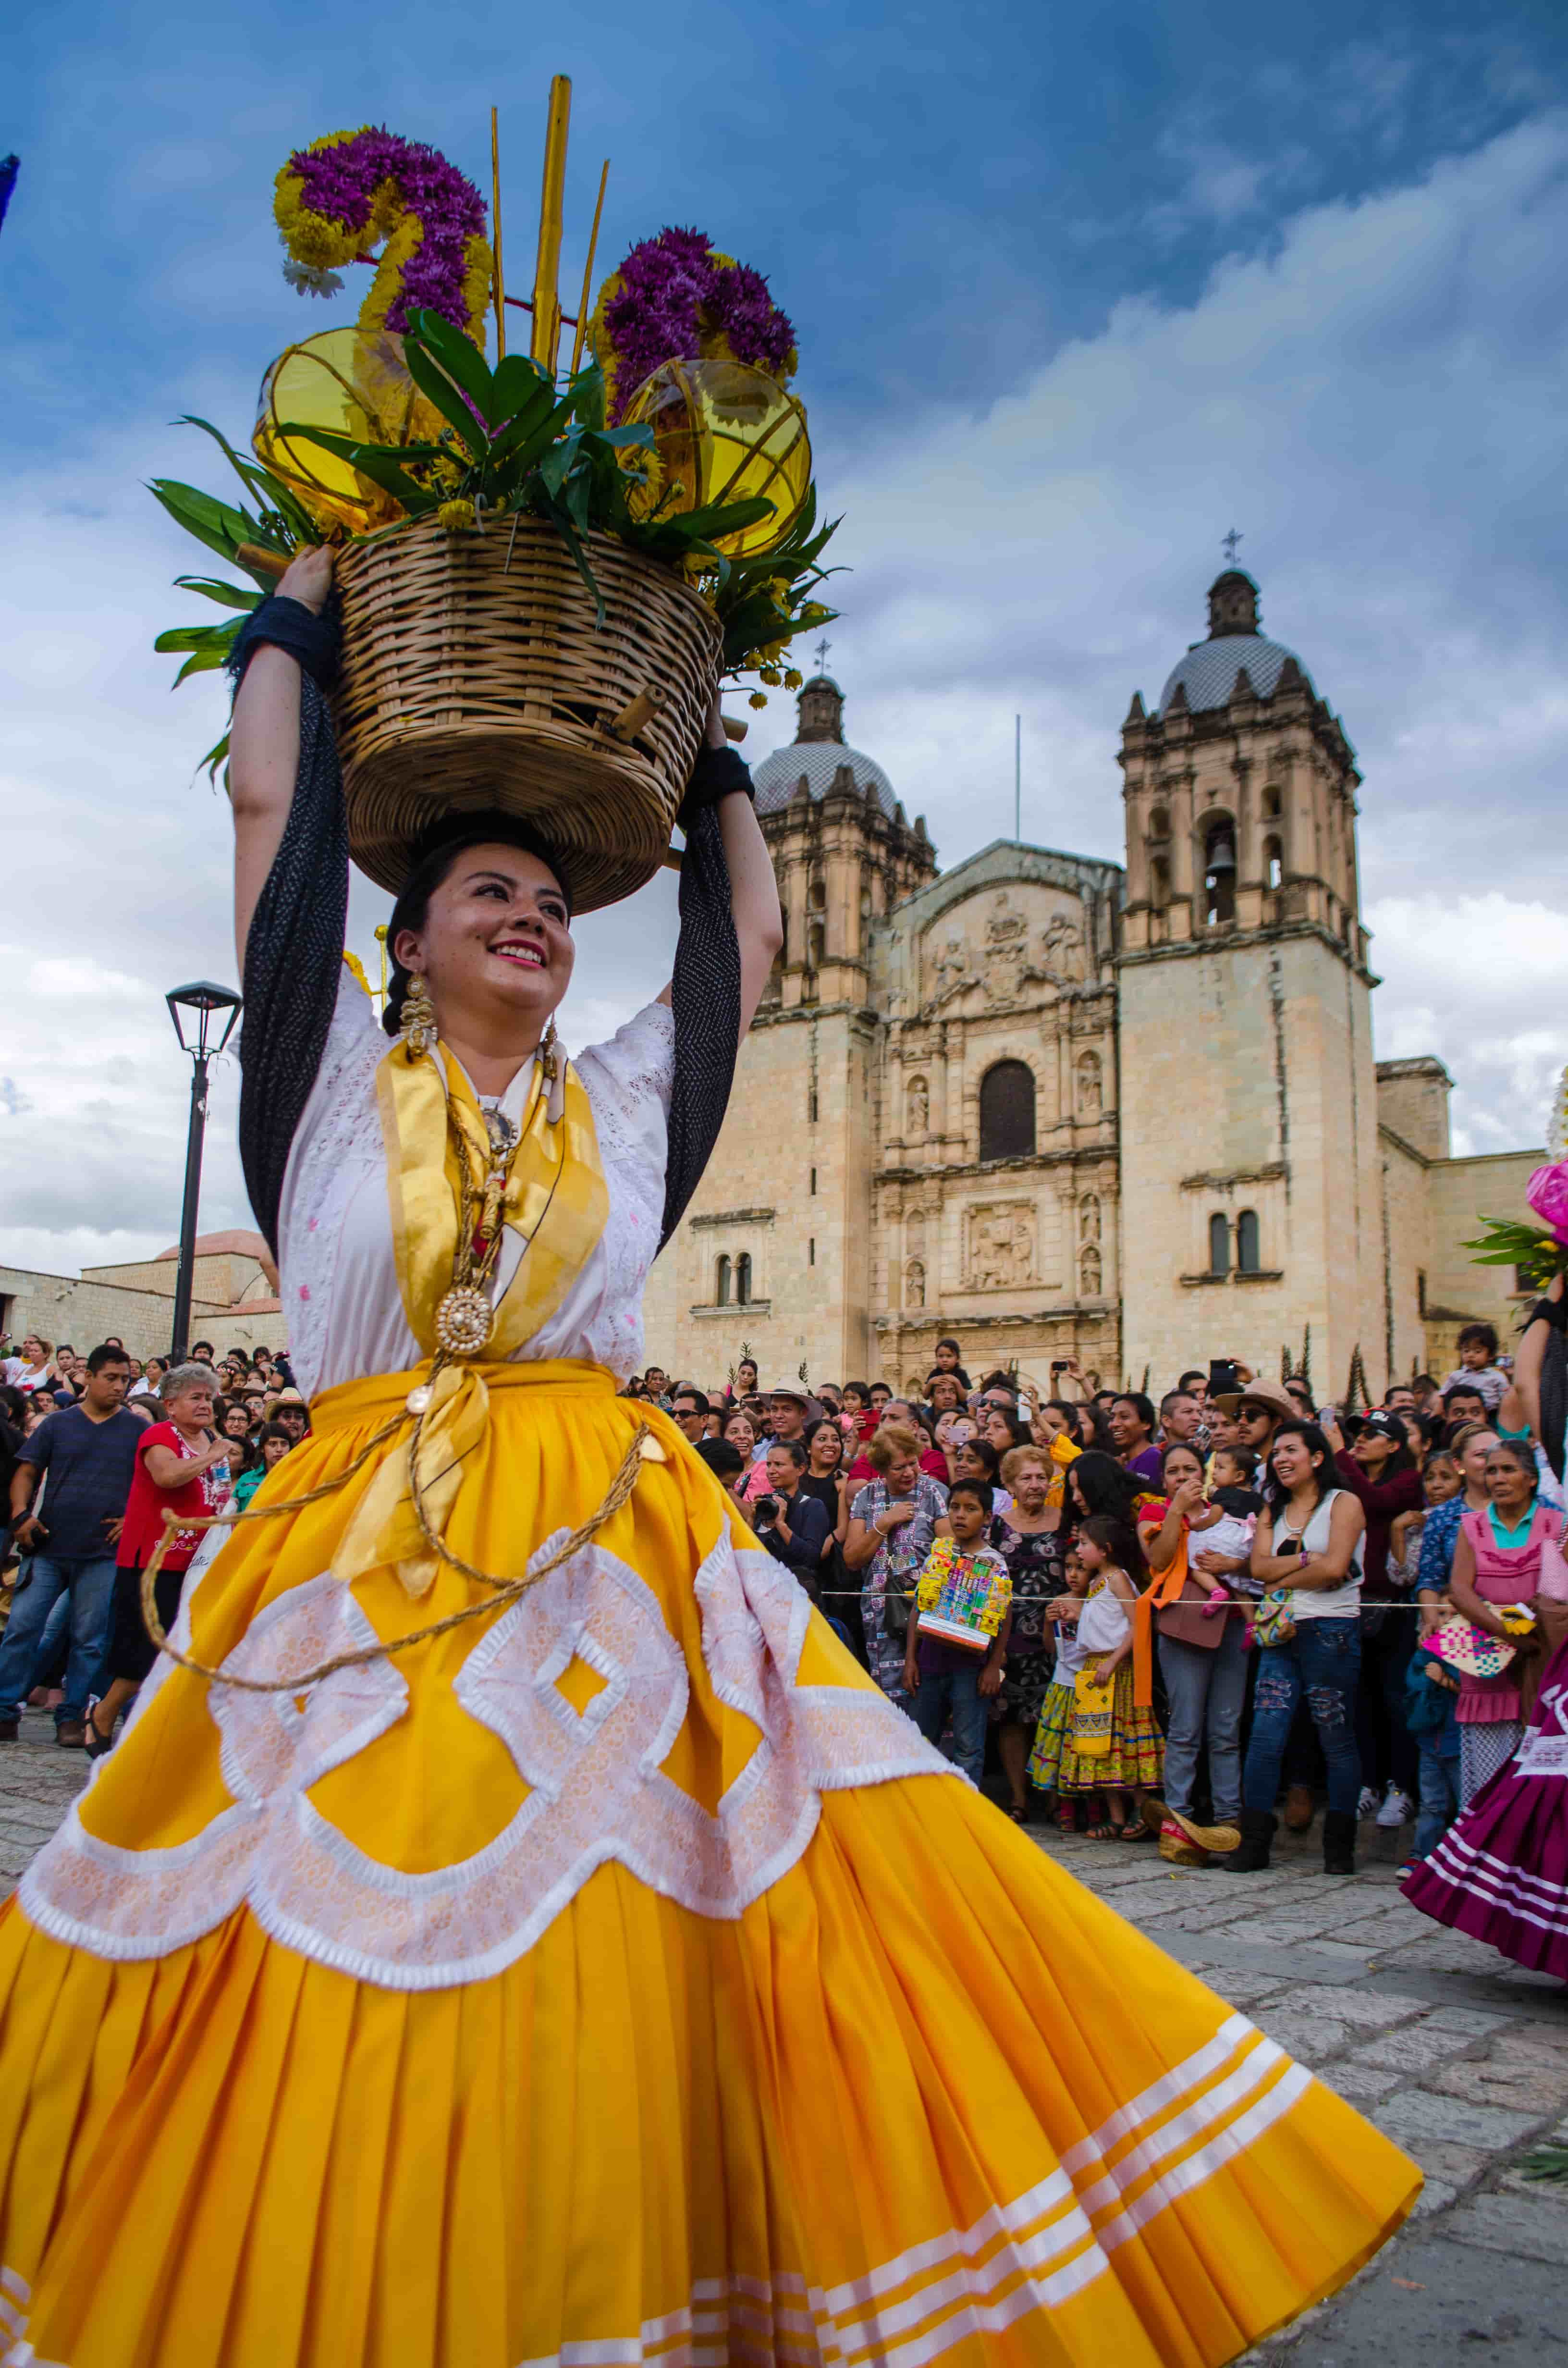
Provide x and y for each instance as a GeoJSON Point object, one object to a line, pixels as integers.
{"type": "Point", "coordinates": [766, 1509]}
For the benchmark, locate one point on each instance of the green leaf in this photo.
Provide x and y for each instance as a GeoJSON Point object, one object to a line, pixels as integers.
{"type": "Point", "coordinates": [586, 396]}
{"type": "Point", "coordinates": [211, 522]}
{"type": "Point", "coordinates": [569, 536]}
{"type": "Point", "coordinates": [258, 480]}
{"type": "Point", "coordinates": [557, 463]}
{"type": "Point", "coordinates": [215, 756]}
{"type": "Point", "coordinates": [726, 518]}
{"type": "Point", "coordinates": [197, 637]}
{"type": "Point", "coordinates": [456, 354]}
{"type": "Point", "coordinates": [372, 460]}
{"type": "Point", "coordinates": [433, 381]}
{"type": "Point", "coordinates": [524, 441]}
{"type": "Point", "coordinates": [228, 595]}
{"type": "Point", "coordinates": [518, 382]}
{"type": "Point", "coordinates": [199, 662]}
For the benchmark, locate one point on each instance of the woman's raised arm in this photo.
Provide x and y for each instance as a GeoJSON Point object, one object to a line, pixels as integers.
{"type": "Point", "coordinates": [754, 891]}
{"type": "Point", "coordinates": [264, 756]}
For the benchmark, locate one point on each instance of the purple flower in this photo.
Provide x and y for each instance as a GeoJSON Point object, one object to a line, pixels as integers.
{"type": "Point", "coordinates": [340, 182]}
{"type": "Point", "coordinates": [674, 298]}
{"type": "Point", "coordinates": [1547, 1193]}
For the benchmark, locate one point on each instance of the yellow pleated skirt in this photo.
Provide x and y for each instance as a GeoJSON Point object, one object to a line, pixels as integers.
{"type": "Point", "coordinates": [616, 1979]}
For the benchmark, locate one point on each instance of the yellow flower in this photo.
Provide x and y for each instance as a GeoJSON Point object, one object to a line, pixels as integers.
{"type": "Point", "coordinates": [757, 699]}
{"type": "Point", "coordinates": [792, 680]}
{"type": "Point", "coordinates": [455, 515]}
{"type": "Point", "coordinates": [645, 473]}
{"type": "Point", "coordinates": [771, 676]}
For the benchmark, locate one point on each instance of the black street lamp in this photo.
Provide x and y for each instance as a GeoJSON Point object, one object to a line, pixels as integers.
{"type": "Point", "coordinates": [201, 1003]}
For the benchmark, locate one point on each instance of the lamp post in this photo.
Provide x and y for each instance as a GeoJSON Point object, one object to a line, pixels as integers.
{"type": "Point", "coordinates": [198, 1005]}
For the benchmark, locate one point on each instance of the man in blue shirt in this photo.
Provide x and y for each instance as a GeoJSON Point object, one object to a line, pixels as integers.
{"type": "Point", "coordinates": [86, 1453]}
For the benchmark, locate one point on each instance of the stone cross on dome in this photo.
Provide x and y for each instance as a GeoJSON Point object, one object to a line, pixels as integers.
{"type": "Point", "coordinates": [823, 648]}
{"type": "Point", "coordinates": [1230, 544]}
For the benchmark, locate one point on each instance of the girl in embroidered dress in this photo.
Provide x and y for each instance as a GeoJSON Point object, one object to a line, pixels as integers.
{"type": "Point", "coordinates": [1497, 1570]}
{"type": "Point", "coordinates": [468, 1953]}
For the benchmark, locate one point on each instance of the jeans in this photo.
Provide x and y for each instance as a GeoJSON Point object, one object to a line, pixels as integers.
{"type": "Point", "coordinates": [1204, 1692]}
{"type": "Point", "coordinates": [90, 1583]}
{"type": "Point", "coordinates": [958, 1690]}
{"type": "Point", "coordinates": [1322, 1662]}
{"type": "Point", "coordinates": [1439, 1795]}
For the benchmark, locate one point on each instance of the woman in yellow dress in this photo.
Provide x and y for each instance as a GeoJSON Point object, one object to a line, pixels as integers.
{"type": "Point", "coordinates": [613, 1974]}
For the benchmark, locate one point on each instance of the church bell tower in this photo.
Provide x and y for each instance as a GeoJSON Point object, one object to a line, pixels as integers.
{"type": "Point", "coordinates": [1251, 1194]}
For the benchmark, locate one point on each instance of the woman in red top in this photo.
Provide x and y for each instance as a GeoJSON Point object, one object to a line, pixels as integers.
{"type": "Point", "coordinates": [182, 1467]}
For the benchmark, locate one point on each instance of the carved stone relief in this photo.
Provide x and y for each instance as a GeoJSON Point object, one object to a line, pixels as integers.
{"type": "Point", "coordinates": [1001, 1244]}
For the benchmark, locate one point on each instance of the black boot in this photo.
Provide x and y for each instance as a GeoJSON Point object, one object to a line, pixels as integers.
{"type": "Point", "coordinates": [1338, 1842]}
{"type": "Point", "coordinates": [1257, 1831]}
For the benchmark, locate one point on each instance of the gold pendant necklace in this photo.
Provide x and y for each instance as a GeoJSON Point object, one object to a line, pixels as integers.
{"type": "Point", "coordinates": [465, 1317]}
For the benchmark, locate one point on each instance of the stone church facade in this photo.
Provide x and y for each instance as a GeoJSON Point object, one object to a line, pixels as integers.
{"type": "Point", "coordinates": [1065, 1108]}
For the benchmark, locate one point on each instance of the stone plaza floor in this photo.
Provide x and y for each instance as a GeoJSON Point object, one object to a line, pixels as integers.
{"type": "Point", "coordinates": [1459, 2056]}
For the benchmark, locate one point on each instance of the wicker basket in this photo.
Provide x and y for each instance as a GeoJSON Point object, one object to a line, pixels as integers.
{"type": "Point", "coordinates": [473, 675]}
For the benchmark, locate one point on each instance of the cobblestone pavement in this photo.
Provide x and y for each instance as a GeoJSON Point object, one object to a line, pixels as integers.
{"type": "Point", "coordinates": [1462, 2057]}
{"type": "Point", "coordinates": [1459, 2056]}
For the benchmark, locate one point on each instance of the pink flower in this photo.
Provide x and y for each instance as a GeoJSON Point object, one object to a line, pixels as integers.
{"type": "Point", "coordinates": [1547, 1193]}
{"type": "Point", "coordinates": [304, 1291]}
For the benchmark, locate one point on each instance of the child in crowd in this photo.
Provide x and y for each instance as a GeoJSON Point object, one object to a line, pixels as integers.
{"type": "Point", "coordinates": [1054, 1729]}
{"type": "Point", "coordinates": [1478, 1368]}
{"type": "Point", "coordinates": [1441, 1480]}
{"type": "Point", "coordinates": [1431, 1715]}
{"type": "Point", "coordinates": [1223, 1523]}
{"type": "Point", "coordinates": [957, 1641]}
{"type": "Point", "coordinates": [1128, 1761]}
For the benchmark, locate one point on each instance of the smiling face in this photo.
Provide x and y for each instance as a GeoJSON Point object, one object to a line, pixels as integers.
{"type": "Point", "coordinates": [740, 1432]}
{"type": "Point", "coordinates": [495, 943]}
{"type": "Point", "coordinates": [1293, 1459]}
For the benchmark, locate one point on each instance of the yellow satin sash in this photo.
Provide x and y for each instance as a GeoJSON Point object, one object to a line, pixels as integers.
{"type": "Point", "coordinates": [556, 1199]}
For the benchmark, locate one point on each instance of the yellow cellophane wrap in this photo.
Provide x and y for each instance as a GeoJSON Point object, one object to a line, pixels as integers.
{"type": "Point", "coordinates": [864, 2121]}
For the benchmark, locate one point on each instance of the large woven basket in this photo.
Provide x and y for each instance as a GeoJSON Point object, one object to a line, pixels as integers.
{"type": "Point", "coordinates": [473, 675]}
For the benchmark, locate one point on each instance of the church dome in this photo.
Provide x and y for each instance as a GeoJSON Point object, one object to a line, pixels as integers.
{"type": "Point", "coordinates": [1207, 674]}
{"type": "Point", "coordinates": [817, 753]}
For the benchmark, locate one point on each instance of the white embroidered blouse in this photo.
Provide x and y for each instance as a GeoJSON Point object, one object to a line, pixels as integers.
{"type": "Point", "coordinates": [339, 1285]}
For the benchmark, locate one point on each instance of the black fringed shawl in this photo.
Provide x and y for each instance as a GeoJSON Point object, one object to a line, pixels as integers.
{"type": "Point", "coordinates": [294, 955]}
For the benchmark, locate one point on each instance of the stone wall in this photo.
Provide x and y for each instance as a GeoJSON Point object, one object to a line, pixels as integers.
{"type": "Point", "coordinates": [85, 1310]}
{"type": "Point", "coordinates": [1461, 1192]}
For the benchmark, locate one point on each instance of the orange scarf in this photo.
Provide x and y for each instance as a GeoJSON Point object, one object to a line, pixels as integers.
{"type": "Point", "coordinates": [1160, 1592]}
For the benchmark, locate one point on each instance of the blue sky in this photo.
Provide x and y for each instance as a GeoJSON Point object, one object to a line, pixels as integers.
{"type": "Point", "coordinates": [1075, 291]}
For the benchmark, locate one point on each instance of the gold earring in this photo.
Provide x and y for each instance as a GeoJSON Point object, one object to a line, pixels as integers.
{"type": "Point", "coordinates": [419, 1028]}
{"type": "Point", "coordinates": [554, 1062]}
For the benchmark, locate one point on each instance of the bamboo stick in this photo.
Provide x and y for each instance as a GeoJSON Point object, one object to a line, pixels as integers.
{"type": "Point", "coordinates": [547, 271]}
{"type": "Point", "coordinates": [495, 231]}
{"type": "Point", "coordinates": [582, 322]}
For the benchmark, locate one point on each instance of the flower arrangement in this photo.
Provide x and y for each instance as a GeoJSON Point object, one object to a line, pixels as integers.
{"type": "Point", "coordinates": [488, 444]}
{"type": "Point", "coordinates": [1537, 1255]}
{"type": "Point", "coordinates": [342, 196]}
{"type": "Point", "coordinates": [675, 297]}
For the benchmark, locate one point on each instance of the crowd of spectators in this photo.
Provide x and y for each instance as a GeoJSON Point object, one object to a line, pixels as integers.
{"type": "Point", "coordinates": [1185, 1618]}
{"type": "Point", "coordinates": [95, 1449]}
{"type": "Point", "coordinates": [1216, 1602]}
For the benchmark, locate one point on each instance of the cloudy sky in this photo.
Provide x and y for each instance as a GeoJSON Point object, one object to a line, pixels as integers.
{"type": "Point", "coordinates": [1076, 292]}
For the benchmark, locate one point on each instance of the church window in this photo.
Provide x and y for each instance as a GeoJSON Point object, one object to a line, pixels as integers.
{"type": "Point", "coordinates": [813, 1183]}
{"type": "Point", "coordinates": [819, 897]}
{"type": "Point", "coordinates": [1160, 882]}
{"type": "Point", "coordinates": [1219, 873]}
{"type": "Point", "coordinates": [1091, 1086]}
{"type": "Point", "coordinates": [743, 1280]}
{"type": "Point", "coordinates": [1248, 1258]}
{"type": "Point", "coordinates": [812, 1107]}
{"type": "Point", "coordinates": [1006, 1111]}
{"type": "Point", "coordinates": [1270, 804]}
{"type": "Point", "coordinates": [816, 941]}
{"type": "Point", "coordinates": [1420, 1295]}
{"type": "Point", "coordinates": [1219, 1243]}
{"type": "Point", "coordinates": [722, 1283]}
{"type": "Point", "coordinates": [1089, 1274]}
{"type": "Point", "coordinates": [1159, 824]}
{"type": "Point", "coordinates": [812, 1251]}
{"type": "Point", "coordinates": [1273, 862]}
